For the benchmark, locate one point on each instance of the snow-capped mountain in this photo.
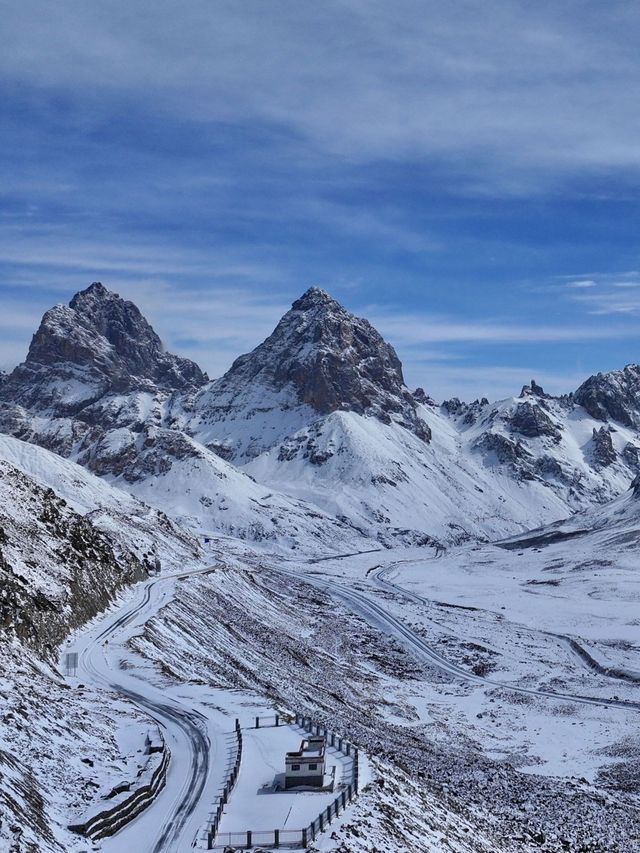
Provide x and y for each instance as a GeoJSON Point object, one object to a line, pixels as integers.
{"type": "Point", "coordinates": [319, 359]}
{"type": "Point", "coordinates": [98, 387]}
{"type": "Point", "coordinates": [554, 441]}
{"type": "Point", "coordinates": [314, 435]}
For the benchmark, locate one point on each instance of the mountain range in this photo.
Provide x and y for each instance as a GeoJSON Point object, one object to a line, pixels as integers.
{"type": "Point", "coordinates": [510, 628]}
{"type": "Point", "coordinates": [314, 434]}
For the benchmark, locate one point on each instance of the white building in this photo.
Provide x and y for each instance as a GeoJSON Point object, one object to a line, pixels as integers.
{"type": "Point", "coordinates": [306, 767]}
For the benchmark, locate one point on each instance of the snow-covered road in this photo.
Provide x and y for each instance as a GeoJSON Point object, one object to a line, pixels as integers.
{"type": "Point", "coordinates": [366, 605]}
{"type": "Point", "coordinates": [195, 739]}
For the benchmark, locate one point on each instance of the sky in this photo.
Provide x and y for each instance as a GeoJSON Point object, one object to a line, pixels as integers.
{"type": "Point", "coordinates": [466, 175]}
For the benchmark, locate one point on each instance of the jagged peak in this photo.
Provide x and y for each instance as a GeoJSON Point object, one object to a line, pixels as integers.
{"type": "Point", "coordinates": [533, 390]}
{"type": "Point", "coordinates": [99, 341]}
{"type": "Point", "coordinates": [331, 360]}
{"type": "Point", "coordinates": [96, 289]}
{"type": "Point", "coordinates": [316, 297]}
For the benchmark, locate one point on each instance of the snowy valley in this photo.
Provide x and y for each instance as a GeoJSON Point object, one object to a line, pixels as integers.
{"type": "Point", "coordinates": [451, 587]}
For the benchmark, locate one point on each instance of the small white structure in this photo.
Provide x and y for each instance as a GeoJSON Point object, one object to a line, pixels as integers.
{"type": "Point", "coordinates": [306, 767]}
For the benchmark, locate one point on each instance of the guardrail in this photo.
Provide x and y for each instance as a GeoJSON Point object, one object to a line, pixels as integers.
{"type": "Point", "coordinates": [229, 785]}
{"type": "Point", "coordinates": [294, 838]}
{"type": "Point", "coordinates": [109, 821]}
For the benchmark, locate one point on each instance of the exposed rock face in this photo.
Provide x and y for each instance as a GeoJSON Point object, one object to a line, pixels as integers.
{"type": "Point", "coordinates": [467, 413]}
{"type": "Point", "coordinates": [631, 455]}
{"type": "Point", "coordinates": [603, 450]}
{"type": "Point", "coordinates": [331, 360]}
{"type": "Point", "coordinates": [635, 485]}
{"type": "Point", "coordinates": [532, 421]}
{"type": "Point", "coordinates": [614, 395]}
{"type": "Point", "coordinates": [56, 569]}
{"type": "Point", "coordinates": [97, 378]}
{"type": "Point", "coordinates": [534, 390]}
{"type": "Point", "coordinates": [507, 452]}
{"type": "Point", "coordinates": [97, 345]}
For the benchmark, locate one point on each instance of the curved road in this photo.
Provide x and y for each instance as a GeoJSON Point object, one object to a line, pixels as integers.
{"type": "Point", "coordinates": [380, 618]}
{"type": "Point", "coordinates": [175, 822]}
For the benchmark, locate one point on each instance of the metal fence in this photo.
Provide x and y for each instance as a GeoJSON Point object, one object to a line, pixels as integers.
{"type": "Point", "coordinates": [226, 791]}
{"type": "Point", "coordinates": [293, 838]}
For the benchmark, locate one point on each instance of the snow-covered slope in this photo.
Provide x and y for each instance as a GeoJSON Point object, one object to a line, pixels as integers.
{"type": "Point", "coordinates": [394, 486]}
{"type": "Point", "coordinates": [131, 525]}
{"type": "Point", "coordinates": [551, 441]}
{"type": "Point", "coordinates": [210, 495]}
{"type": "Point", "coordinates": [314, 436]}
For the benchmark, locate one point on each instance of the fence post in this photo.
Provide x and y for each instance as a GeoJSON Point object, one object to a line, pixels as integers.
{"type": "Point", "coordinates": [276, 838]}
{"type": "Point", "coordinates": [277, 720]}
{"type": "Point", "coordinates": [328, 814]}
{"type": "Point", "coordinates": [249, 839]}
{"type": "Point", "coordinates": [333, 739]}
{"type": "Point", "coordinates": [348, 748]}
{"type": "Point", "coordinates": [304, 837]}
{"type": "Point", "coordinates": [344, 800]}
{"type": "Point", "coordinates": [340, 744]}
{"type": "Point", "coordinates": [321, 821]}
{"type": "Point", "coordinates": [257, 722]}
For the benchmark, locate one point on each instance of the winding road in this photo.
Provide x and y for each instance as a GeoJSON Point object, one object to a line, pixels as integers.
{"type": "Point", "coordinates": [172, 823]}
{"type": "Point", "coordinates": [383, 620]}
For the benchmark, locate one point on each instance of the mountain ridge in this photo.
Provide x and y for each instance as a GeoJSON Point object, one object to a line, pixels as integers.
{"type": "Point", "coordinates": [319, 414]}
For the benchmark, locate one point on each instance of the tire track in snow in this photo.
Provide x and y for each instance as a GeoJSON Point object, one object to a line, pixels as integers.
{"type": "Point", "coordinates": [381, 619]}
{"type": "Point", "coordinates": [187, 724]}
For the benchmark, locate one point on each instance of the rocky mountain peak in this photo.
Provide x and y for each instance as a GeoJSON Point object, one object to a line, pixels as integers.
{"type": "Point", "coordinates": [614, 395]}
{"type": "Point", "coordinates": [533, 390]}
{"type": "Point", "coordinates": [98, 344]}
{"type": "Point", "coordinates": [331, 360]}
{"type": "Point", "coordinates": [315, 297]}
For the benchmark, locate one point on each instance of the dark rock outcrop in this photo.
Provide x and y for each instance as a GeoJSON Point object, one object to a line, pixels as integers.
{"type": "Point", "coordinates": [505, 451]}
{"type": "Point", "coordinates": [614, 395]}
{"type": "Point", "coordinates": [631, 455]}
{"type": "Point", "coordinates": [533, 390]}
{"type": "Point", "coordinates": [532, 421]}
{"type": "Point", "coordinates": [603, 451]}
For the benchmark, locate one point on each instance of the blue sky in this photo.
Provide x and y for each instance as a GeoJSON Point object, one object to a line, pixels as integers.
{"type": "Point", "coordinates": [466, 175]}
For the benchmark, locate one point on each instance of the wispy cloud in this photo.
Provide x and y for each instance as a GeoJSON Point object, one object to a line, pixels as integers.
{"type": "Point", "coordinates": [423, 329]}
{"type": "Point", "coordinates": [516, 89]}
{"type": "Point", "coordinates": [581, 285]}
{"type": "Point", "coordinates": [617, 294]}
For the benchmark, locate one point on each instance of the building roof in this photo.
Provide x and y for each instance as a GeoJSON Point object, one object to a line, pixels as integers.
{"type": "Point", "coordinates": [312, 747]}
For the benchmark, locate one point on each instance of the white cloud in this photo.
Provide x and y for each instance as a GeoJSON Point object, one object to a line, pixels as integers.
{"type": "Point", "coordinates": [512, 92]}
{"type": "Point", "coordinates": [418, 329]}
{"type": "Point", "coordinates": [618, 294]}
